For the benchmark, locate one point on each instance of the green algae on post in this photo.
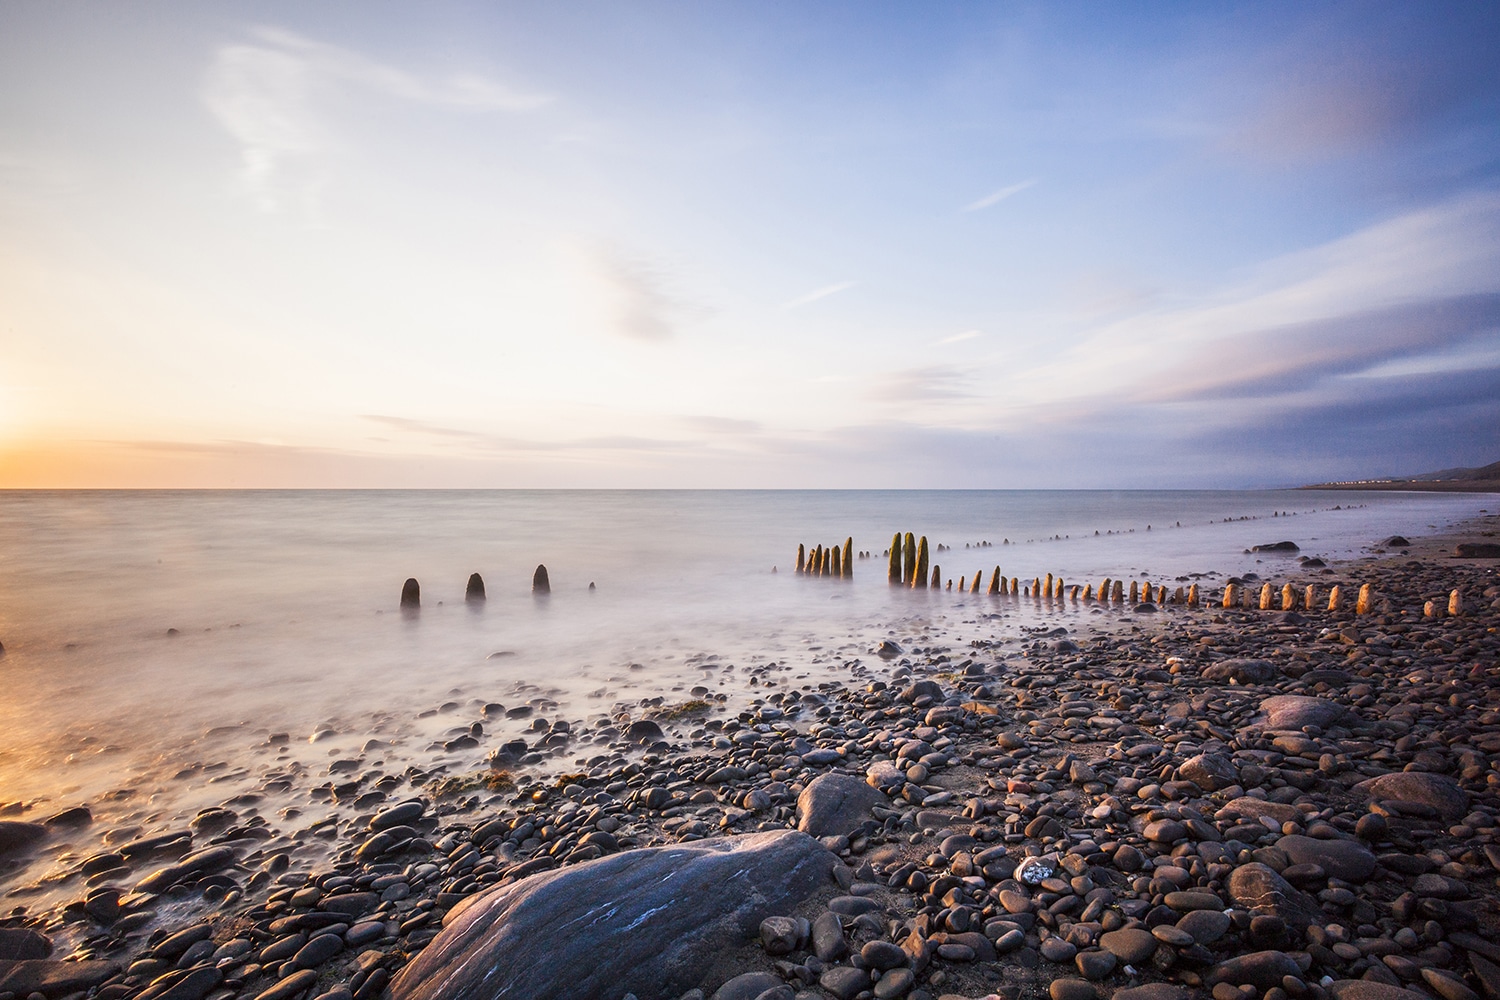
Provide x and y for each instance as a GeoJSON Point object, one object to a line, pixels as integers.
{"type": "Point", "coordinates": [909, 560]}
{"type": "Point", "coordinates": [919, 574]}
{"type": "Point", "coordinates": [893, 574]}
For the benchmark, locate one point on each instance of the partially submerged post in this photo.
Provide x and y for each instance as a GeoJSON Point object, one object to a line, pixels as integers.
{"type": "Point", "coordinates": [937, 577]}
{"type": "Point", "coordinates": [1231, 595]}
{"type": "Point", "coordinates": [1118, 594]}
{"type": "Point", "coordinates": [801, 556]}
{"type": "Point", "coordinates": [849, 557]}
{"type": "Point", "coordinates": [1288, 598]}
{"type": "Point", "coordinates": [1265, 596]}
{"type": "Point", "coordinates": [474, 592]}
{"type": "Point", "coordinates": [1333, 599]}
{"type": "Point", "coordinates": [411, 593]}
{"type": "Point", "coordinates": [909, 560]}
{"type": "Point", "coordinates": [893, 573]}
{"type": "Point", "coordinates": [919, 570]}
{"type": "Point", "coordinates": [835, 562]}
{"type": "Point", "coordinates": [974, 589]}
{"type": "Point", "coordinates": [539, 582]}
{"type": "Point", "coordinates": [1192, 596]}
{"type": "Point", "coordinates": [995, 582]}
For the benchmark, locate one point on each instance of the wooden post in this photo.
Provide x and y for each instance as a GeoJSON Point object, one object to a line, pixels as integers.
{"type": "Point", "coordinates": [1455, 604]}
{"type": "Point", "coordinates": [1231, 595]}
{"type": "Point", "coordinates": [801, 556]}
{"type": "Point", "coordinates": [1048, 591]}
{"type": "Point", "coordinates": [1310, 598]}
{"type": "Point", "coordinates": [919, 578]}
{"type": "Point", "coordinates": [1265, 596]}
{"type": "Point", "coordinates": [1192, 596]}
{"type": "Point", "coordinates": [909, 560]}
{"type": "Point", "coordinates": [1333, 599]}
{"type": "Point", "coordinates": [1015, 587]}
{"type": "Point", "coordinates": [977, 577]}
{"type": "Point", "coordinates": [1288, 598]}
{"type": "Point", "coordinates": [1135, 592]}
{"type": "Point", "coordinates": [1036, 587]}
{"type": "Point", "coordinates": [835, 562]}
{"type": "Point", "coordinates": [962, 580]}
{"type": "Point", "coordinates": [1179, 597]}
{"type": "Point", "coordinates": [1088, 592]}
{"type": "Point", "coordinates": [1058, 593]}
{"type": "Point", "coordinates": [540, 583]}
{"type": "Point", "coordinates": [849, 558]}
{"type": "Point", "coordinates": [1104, 591]}
{"type": "Point", "coordinates": [1118, 594]}
{"type": "Point", "coordinates": [894, 572]}
{"type": "Point", "coordinates": [995, 582]}
{"type": "Point", "coordinates": [411, 593]}
{"type": "Point", "coordinates": [937, 577]}
{"type": "Point", "coordinates": [474, 592]}
{"type": "Point", "coordinates": [1432, 609]}
{"type": "Point", "coordinates": [1366, 600]}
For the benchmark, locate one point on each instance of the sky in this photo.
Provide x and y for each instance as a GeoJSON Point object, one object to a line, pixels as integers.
{"type": "Point", "coordinates": [750, 245]}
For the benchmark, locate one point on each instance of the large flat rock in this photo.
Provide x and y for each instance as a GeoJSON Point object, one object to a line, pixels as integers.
{"type": "Point", "coordinates": [650, 922]}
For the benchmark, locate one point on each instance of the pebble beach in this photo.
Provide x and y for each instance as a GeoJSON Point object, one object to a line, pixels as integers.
{"type": "Point", "coordinates": [1151, 802]}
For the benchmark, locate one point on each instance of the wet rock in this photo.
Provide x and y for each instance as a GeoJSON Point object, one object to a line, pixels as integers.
{"type": "Point", "coordinates": [50, 978]}
{"type": "Point", "coordinates": [1365, 989]}
{"type": "Point", "coordinates": [1477, 550]}
{"type": "Point", "coordinates": [1276, 547]}
{"type": "Point", "coordinates": [22, 943]}
{"type": "Point", "coordinates": [1131, 945]}
{"type": "Point", "coordinates": [1437, 791]}
{"type": "Point", "coordinates": [836, 805]}
{"type": "Point", "coordinates": [644, 731]}
{"type": "Point", "coordinates": [747, 986]}
{"type": "Point", "coordinates": [649, 921]}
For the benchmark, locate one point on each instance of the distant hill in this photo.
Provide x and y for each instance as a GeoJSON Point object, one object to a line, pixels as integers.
{"type": "Point", "coordinates": [1485, 479]}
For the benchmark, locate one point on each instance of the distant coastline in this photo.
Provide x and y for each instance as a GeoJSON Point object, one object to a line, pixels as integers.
{"type": "Point", "coordinates": [1414, 485]}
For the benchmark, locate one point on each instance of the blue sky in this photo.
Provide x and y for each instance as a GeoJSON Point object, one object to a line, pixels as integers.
{"type": "Point", "coordinates": [754, 245]}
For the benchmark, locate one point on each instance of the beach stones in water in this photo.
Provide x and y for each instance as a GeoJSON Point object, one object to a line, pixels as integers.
{"type": "Point", "coordinates": [644, 731]}
{"type": "Point", "coordinates": [1296, 711]}
{"type": "Point", "coordinates": [835, 805]}
{"type": "Point", "coordinates": [651, 921]}
{"type": "Point", "coordinates": [1436, 791]}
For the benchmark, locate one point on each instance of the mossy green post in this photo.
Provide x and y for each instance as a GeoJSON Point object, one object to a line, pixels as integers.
{"type": "Point", "coordinates": [919, 571]}
{"type": "Point", "coordinates": [909, 560]}
{"type": "Point", "coordinates": [894, 574]}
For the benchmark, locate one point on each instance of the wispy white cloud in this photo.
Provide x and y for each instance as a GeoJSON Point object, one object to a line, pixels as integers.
{"type": "Point", "coordinates": [960, 337]}
{"type": "Point", "coordinates": [636, 305]}
{"type": "Point", "coordinates": [819, 293]}
{"type": "Point", "coordinates": [272, 95]}
{"type": "Point", "coordinates": [996, 197]}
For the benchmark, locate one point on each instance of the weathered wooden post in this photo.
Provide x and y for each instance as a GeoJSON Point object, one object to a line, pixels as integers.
{"type": "Point", "coordinates": [1048, 590]}
{"type": "Point", "coordinates": [411, 593]}
{"type": "Point", "coordinates": [1135, 592]}
{"type": "Point", "coordinates": [1265, 596]}
{"type": "Point", "coordinates": [801, 557]}
{"type": "Point", "coordinates": [1310, 598]}
{"type": "Point", "coordinates": [974, 588]}
{"type": "Point", "coordinates": [835, 562]}
{"type": "Point", "coordinates": [849, 558]}
{"type": "Point", "coordinates": [909, 561]}
{"type": "Point", "coordinates": [1288, 598]}
{"type": "Point", "coordinates": [1015, 586]}
{"type": "Point", "coordinates": [1455, 604]}
{"type": "Point", "coordinates": [1179, 597]}
{"type": "Point", "coordinates": [1366, 601]}
{"type": "Point", "coordinates": [1104, 590]}
{"type": "Point", "coordinates": [995, 582]}
{"type": "Point", "coordinates": [539, 582]}
{"type": "Point", "coordinates": [893, 573]}
{"type": "Point", "coordinates": [1192, 596]}
{"type": "Point", "coordinates": [1333, 599]}
{"type": "Point", "coordinates": [1432, 609]}
{"type": "Point", "coordinates": [474, 592]}
{"type": "Point", "coordinates": [937, 577]}
{"type": "Point", "coordinates": [919, 578]}
{"type": "Point", "coordinates": [1231, 595]}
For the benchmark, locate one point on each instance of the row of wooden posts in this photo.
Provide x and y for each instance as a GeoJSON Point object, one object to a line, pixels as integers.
{"type": "Point", "coordinates": [411, 591]}
{"type": "Point", "coordinates": [909, 558]}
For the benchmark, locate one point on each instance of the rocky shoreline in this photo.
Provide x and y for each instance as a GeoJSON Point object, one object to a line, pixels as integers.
{"type": "Point", "coordinates": [1170, 803]}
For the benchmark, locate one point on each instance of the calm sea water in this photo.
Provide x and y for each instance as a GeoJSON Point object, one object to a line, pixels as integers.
{"type": "Point", "coordinates": [285, 606]}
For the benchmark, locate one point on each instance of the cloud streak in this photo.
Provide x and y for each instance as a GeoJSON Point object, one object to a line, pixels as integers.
{"type": "Point", "coordinates": [819, 293]}
{"type": "Point", "coordinates": [996, 197]}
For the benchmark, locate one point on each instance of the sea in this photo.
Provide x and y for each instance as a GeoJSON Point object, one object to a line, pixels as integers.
{"type": "Point", "coordinates": [165, 651]}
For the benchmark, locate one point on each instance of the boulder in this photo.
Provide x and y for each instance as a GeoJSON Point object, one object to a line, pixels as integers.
{"type": "Point", "coordinates": [1240, 671]}
{"type": "Point", "coordinates": [1477, 550]}
{"type": "Point", "coordinates": [53, 979]}
{"type": "Point", "coordinates": [1438, 791]}
{"type": "Point", "coordinates": [651, 922]}
{"type": "Point", "coordinates": [1276, 547]}
{"type": "Point", "coordinates": [836, 805]}
{"type": "Point", "coordinates": [1250, 808]}
{"type": "Point", "coordinates": [23, 943]}
{"type": "Point", "coordinates": [1294, 711]}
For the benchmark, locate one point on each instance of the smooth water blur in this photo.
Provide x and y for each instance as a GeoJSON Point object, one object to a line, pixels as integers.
{"type": "Point", "coordinates": [285, 603]}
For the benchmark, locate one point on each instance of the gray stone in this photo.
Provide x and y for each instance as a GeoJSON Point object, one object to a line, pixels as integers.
{"type": "Point", "coordinates": [1205, 926]}
{"type": "Point", "coordinates": [1131, 945]}
{"type": "Point", "coordinates": [896, 983]}
{"type": "Point", "coordinates": [1250, 808]}
{"type": "Point", "coordinates": [23, 943]}
{"type": "Point", "coordinates": [828, 941]}
{"type": "Point", "coordinates": [845, 982]}
{"type": "Point", "coordinates": [835, 805]}
{"type": "Point", "coordinates": [1344, 859]}
{"type": "Point", "coordinates": [17, 836]}
{"type": "Point", "coordinates": [1096, 963]}
{"type": "Point", "coordinates": [1067, 988]}
{"type": "Point", "coordinates": [1424, 787]}
{"type": "Point", "coordinates": [779, 935]}
{"type": "Point", "coordinates": [1260, 890]}
{"type": "Point", "coordinates": [52, 978]}
{"type": "Point", "coordinates": [651, 921]}
{"type": "Point", "coordinates": [882, 955]}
